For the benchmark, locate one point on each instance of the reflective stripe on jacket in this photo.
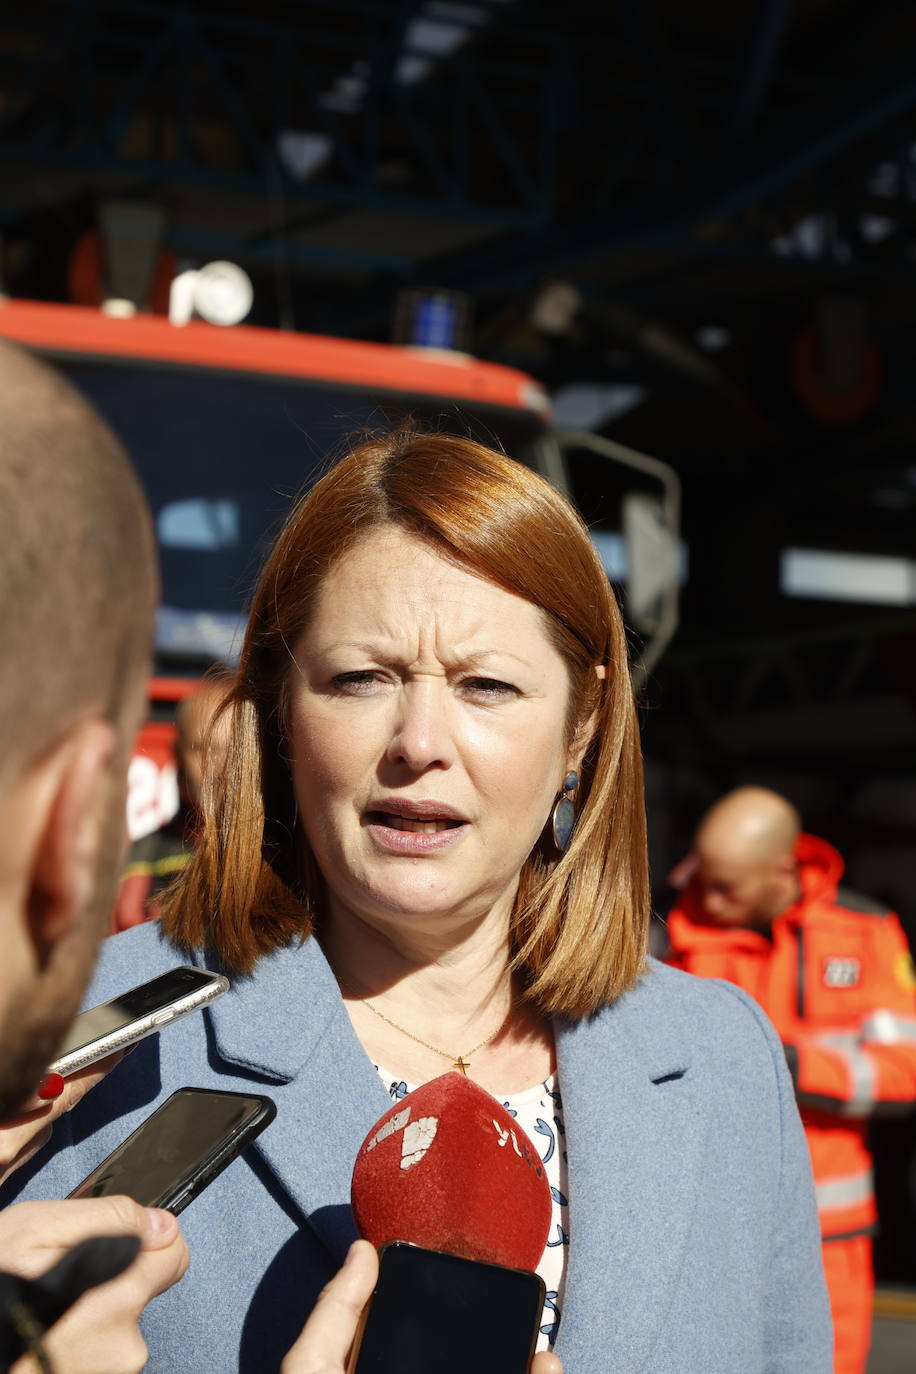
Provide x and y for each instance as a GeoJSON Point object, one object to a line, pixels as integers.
{"type": "Point", "coordinates": [835, 977]}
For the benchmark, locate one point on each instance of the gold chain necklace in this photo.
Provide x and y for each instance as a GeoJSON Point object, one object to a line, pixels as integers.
{"type": "Point", "coordinates": [461, 1062]}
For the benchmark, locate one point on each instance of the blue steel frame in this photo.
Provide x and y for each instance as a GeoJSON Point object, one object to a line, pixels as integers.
{"type": "Point", "coordinates": [503, 133]}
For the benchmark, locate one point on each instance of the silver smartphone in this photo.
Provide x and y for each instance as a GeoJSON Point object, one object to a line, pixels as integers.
{"type": "Point", "coordinates": [135, 1014]}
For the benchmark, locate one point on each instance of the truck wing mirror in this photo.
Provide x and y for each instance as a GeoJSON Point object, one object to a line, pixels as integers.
{"type": "Point", "coordinates": [651, 530]}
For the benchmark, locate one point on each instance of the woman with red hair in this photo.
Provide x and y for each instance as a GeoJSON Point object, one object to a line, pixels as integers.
{"type": "Point", "coordinates": [428, 853]}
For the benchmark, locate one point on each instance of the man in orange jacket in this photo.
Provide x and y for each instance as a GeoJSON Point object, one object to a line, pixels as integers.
{"type": "Point", "coordinates": [156, 859]}
{"type": "Point", "coordinates": [760, 906]}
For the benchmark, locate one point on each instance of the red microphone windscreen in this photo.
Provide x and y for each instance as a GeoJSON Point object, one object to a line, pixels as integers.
{"type": "Point", "coordinates": [449, 1169]}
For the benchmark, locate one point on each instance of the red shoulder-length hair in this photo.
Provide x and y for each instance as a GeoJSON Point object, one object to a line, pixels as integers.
{"type": "Point", "coordinates": [580, 921]}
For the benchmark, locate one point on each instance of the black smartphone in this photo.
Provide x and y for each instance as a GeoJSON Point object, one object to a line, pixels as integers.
{"type": "Point", "coordinates": [140, 1012]}
{"type": "Point", "coordinates": [436, 1311]}
{"type": "Point", "coordinates": [184, 1145]}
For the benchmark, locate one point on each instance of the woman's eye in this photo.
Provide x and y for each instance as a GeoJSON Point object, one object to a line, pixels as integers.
{"type": "Point", "coordinates": [489, 688]}
{"type": "Point", "coordinates": [356, 684]}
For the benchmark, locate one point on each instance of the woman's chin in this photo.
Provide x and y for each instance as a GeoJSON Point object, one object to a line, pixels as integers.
{"type": "Point", "coordinates": [438, 908]}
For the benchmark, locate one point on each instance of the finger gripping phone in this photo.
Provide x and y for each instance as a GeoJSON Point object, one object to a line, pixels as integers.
{"type": "Point", "coordinates": [135, 1014]}
{"type": "Point", "coordinates": [183, 1146]}
{"type": "Point", "coordinates": [434, 1311]}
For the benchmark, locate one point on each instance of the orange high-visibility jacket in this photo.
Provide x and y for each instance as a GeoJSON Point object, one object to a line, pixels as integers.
{"type": "Point", "coordinates": [836, 979]}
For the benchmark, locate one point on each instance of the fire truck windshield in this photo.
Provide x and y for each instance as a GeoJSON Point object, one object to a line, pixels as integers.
{"type": "Point", "coordinates": [221, 455]}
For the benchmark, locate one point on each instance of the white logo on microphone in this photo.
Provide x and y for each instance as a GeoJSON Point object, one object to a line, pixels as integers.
{"type": "Point", "coordinates": [531, 1157]}
{"type": "Point", "coordinates": [507, 1135]}
{"type": "Point", "coordinates": [418, 1137]}
{"type": "Point", "coordinates": [389, 1128]}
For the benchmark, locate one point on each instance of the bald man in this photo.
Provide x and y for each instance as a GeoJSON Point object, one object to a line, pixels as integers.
{"type": "Point", "coordinates": [761, 906]}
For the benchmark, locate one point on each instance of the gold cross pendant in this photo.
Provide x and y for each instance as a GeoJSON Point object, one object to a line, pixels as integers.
{"type": "Point", "coordinates": [462, 1065]}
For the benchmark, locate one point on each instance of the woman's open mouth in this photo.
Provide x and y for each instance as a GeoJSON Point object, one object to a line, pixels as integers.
{"type": "Point", "coordinates": [415, 827]}
{"type": "Point", "coordinates": [418, 827]}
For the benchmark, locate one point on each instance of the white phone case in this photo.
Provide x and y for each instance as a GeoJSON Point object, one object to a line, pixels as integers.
{"type": "Point", "coordinates": [75, 1054]}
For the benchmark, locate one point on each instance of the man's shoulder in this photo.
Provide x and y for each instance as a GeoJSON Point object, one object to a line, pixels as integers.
{"type": "Point", "coordinates": [858, 904]}
{"type": "Point", "coordinates": [849, 911]}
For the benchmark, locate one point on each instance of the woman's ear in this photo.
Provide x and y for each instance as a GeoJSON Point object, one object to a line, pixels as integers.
{"type": "Point", "coordinates": [74, 799]}
{"type": "Point", "coordinates": [585, 731]}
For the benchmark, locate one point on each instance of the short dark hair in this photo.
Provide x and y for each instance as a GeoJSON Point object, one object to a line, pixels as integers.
{"type": "Point", "coordinates": [77, 561]}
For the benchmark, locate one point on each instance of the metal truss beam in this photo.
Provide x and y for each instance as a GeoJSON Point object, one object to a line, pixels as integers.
{"type": "Point", "coordinates": [731, 187]}
{"type": "Point", "coordinates": [498, 129]}
{"type": "Point", "coordinates": [772, 19]}
{"type": "Point", "coordinates": [803, 694]}
{"type": "Point", "coordinates": [175, 94]}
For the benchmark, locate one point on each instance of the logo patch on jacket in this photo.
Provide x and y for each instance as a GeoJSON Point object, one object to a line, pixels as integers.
{"type": "Point", "coordinates": [842, 973]}
{"type": "Point", "coordinates": [903, 971]}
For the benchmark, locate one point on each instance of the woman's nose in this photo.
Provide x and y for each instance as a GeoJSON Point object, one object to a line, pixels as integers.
{"type": "Point", "coordinates": [422, 735]}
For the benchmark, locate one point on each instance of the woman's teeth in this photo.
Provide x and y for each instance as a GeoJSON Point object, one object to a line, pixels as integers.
{"type": "Point", "coordinates": [418, 827]}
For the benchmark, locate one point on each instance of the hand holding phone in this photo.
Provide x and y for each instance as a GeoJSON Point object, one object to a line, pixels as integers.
{"type": "Point", "coordinates": [95, 1043]}
{"type": "Point", "coordinates": [328, 1334]}
{"type": "Point", "coordinates": [100, 1332]}
{"type": "Point", "coordinates": [23, 1135]}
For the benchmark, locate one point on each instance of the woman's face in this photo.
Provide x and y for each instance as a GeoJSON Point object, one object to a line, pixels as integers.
{"type": "Point", "coordinates": [428, 715]}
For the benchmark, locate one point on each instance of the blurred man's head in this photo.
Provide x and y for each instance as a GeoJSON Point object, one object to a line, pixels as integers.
{"type": "Point", "coordinates": [203, 736]}
{"type": "Point", "coordinates": [744, 852]}
{"type": "Point", "coordinates": [78, 588]}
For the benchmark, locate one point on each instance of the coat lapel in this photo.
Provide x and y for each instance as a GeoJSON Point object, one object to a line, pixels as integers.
{"type": "Point", "coordinates": [635, 1133]}
{"type": "Point", "coordinates": [288, 1028]}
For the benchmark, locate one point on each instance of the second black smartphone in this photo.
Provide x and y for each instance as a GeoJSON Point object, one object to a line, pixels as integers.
{"type": "Point", "coordinates": [184, 1145]}
{"type": "Point", "coordinates": [434, 1311]}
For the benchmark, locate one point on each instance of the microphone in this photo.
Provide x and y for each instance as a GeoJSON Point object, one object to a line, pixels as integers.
{"type": "Point", "coordinates": [451, 1189]}
{"type": "Point", "coordinates": [448, 1168]}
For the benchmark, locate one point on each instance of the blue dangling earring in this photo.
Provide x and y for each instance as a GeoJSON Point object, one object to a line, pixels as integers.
{"type": "Point", "coordinates": [563, 816]}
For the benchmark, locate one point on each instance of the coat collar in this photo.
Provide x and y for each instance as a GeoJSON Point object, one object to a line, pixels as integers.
{"type": "Point", "coordinates": [634, 1135]}
{"type": "Point", "coordinates": [288, 1027]}
{"type": "Point", "coordinates": [271, 1023]}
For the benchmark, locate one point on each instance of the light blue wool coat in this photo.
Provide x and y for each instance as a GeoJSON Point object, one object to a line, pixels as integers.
{"type": "Point", "coordinates": [694, 1240]}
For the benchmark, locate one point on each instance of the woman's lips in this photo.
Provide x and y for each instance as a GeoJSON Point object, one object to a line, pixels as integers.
{"type": "Point", "coordinates": [415, 809]}
{"type": "Point", "coordinates": [412, 833]}
{"type": "Point", "coordinates": [416, 824]}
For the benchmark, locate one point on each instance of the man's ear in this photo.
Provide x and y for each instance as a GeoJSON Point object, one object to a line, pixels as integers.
{"type": "Point", "coordinates": [74, 794]}
{"type": "Point", "coordinates": [585, 730]}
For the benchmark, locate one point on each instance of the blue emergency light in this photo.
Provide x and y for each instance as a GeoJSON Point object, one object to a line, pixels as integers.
{"type": "Point", "coordinates": [434, 319]}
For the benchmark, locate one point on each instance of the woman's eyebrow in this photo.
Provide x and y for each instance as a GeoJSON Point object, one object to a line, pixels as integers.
{"type": "Point", "coordinates": [382, 654]}
{"type": "Point", "coordinates": [480, 655]}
